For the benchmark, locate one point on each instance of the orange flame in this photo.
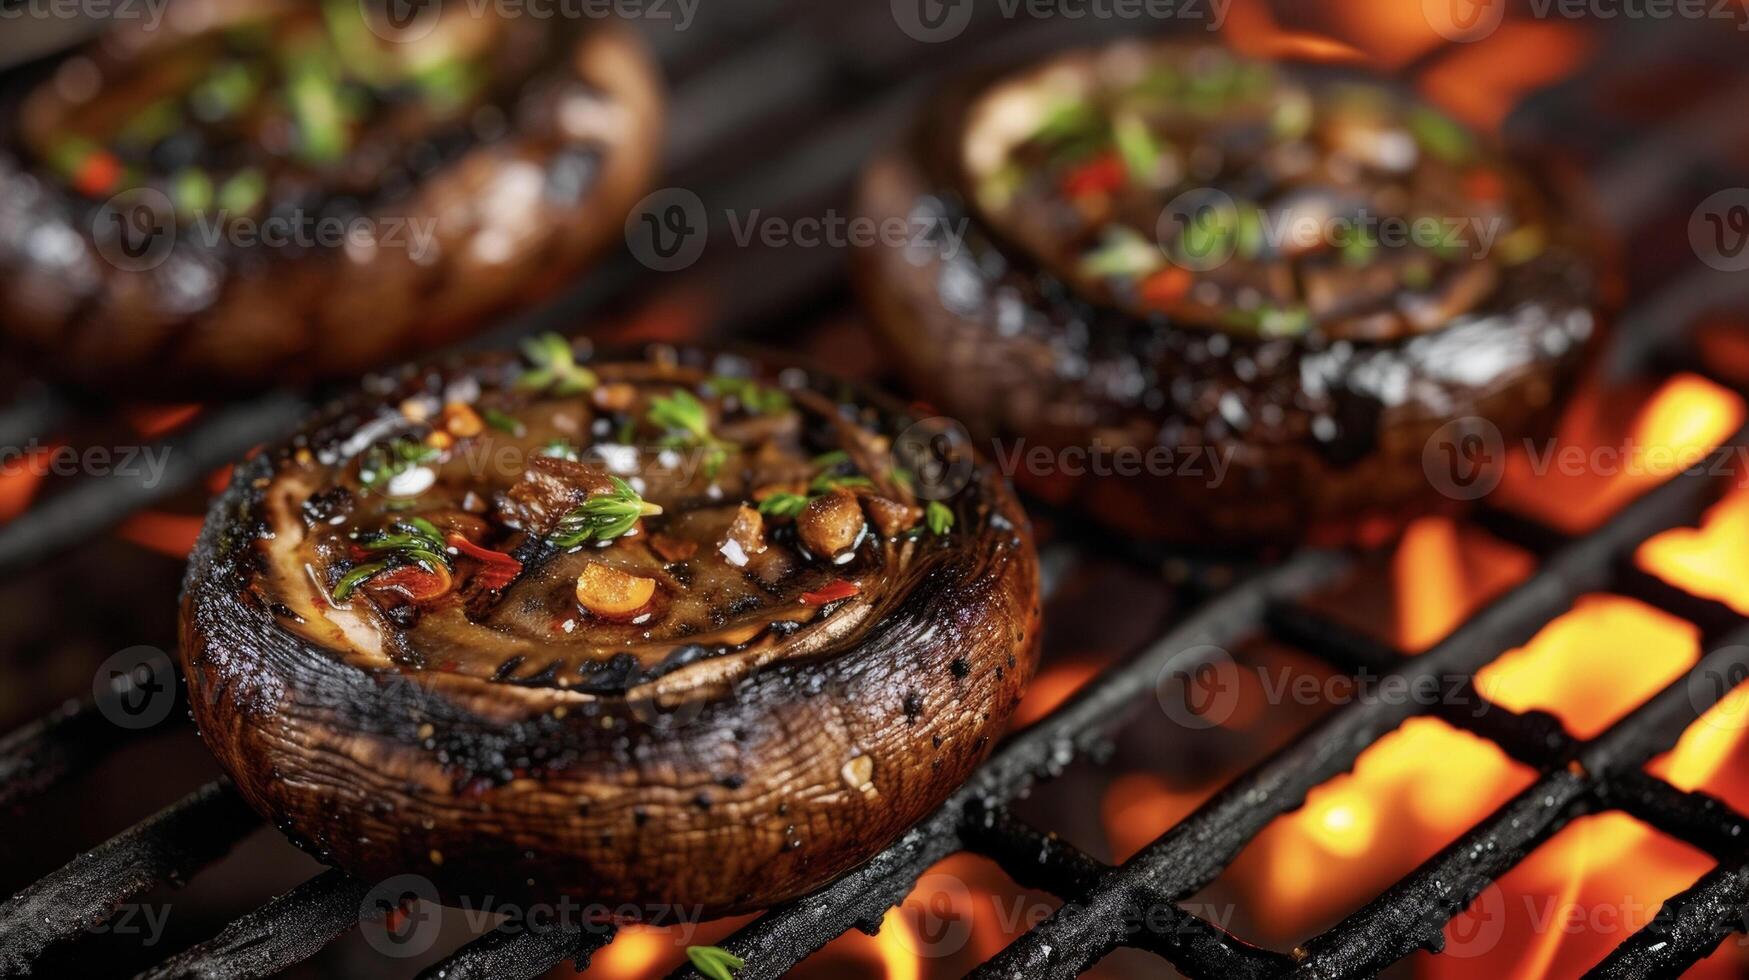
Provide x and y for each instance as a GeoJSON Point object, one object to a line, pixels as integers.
{"type": "Point", "coordinates": [1710, 561]}
{"type": "Point", "coordinates": [1594, 664]}
{"type": "Point", "coordinates": [1362, 831]}
{"type": "Point", "coordinates": [1589, 471]}
{"type": "Point", "coordinates": [151, 421]}
{"type": "Point", "coordinates": [1441, 575]}
{"type": "Point", "coordinates": [168, 534]}
{"type": "Point", "coordinates": [1252, 30]}
{"type": "Point", "coordinates": [20, 479]}
{"type": "Point", "coordinates": [1482, 82]}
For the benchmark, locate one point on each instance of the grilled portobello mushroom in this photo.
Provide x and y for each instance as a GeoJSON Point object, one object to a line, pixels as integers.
{"type": "Point", "coordinates": [1256, 291]}
{"type": "Point", "coordinates": [666, 631]}
{"type": "Point", "coordinates": [262, 192]}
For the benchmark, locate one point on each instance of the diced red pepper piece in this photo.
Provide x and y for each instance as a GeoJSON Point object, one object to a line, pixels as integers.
{"type": "Point", "coordinates": [1484, 185]}
{"type": "Point", "coordinates": [1165, 288]}
{"type": "Point", "coordinates": [97, 174]}
{"type": "Point", "coordinates": [498, 569]}
{"type": "Point", "coordinates": [1101, 175]}
{"type": "Point", "coordinates": [413, 582]}
{"type": "Point", "coordinates": [831, 592]}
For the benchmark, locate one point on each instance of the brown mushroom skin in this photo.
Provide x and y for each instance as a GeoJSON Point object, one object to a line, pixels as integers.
{"type": "Point", "coordinates": [705, 794]}
{"type": "Point", "coordinates": [1012, 352]}
{"type": "Point", "coordinates": [263, 316]}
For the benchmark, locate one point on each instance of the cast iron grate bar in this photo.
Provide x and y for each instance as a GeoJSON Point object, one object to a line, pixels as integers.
{"type": "Point", "coordinates": [285, 931]}
{"type": "Point", "coordinates": [85, 892]}
{"type": "Point", "coordinates": [1187, 857]}
{"type": "Point", "coordinates": [529, 953]}
{"type": "Point", "coordinates": [66, 741]}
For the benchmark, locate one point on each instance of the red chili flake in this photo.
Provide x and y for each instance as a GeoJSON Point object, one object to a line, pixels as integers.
{"type": "Point", "coordinates": [498, 569]}
{"type": "Point", "coordinates": [1484, 185]}
{"type": "Point", "coordinates": [98, 173]}
{"type": "Point", "coordinates": [1165, 288]}
{"type": "Point", "coordinates": [831, 592]}
{"type": "Point", "coordinates": [417, 584]}
{"type": "Point", "coordinates": [1100, 175]}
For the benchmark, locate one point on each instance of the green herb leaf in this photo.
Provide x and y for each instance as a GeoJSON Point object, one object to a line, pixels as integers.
{"type": "Point", "coordinates": [385, 461]}
{"type": "Point", "coordinates": [783, 505]}
{"type": "Point", "coordinates": [689, 427]}
{"type": "Point", "coordinates": [753, 396]}
{"type": "Point", "coordinates": [555, 369]}
{"type": "Point", "coordinates": [939, 517]}
{"type": "Point", "coordinates": [1140, 151]}
{"type": "Point", "coordinates": [358, 576]}
{"type": "Point", "coordinates": [603, 517]}
{"type": "Point", "coordinates": [500, 421]}
{"type": "Point", "coordinates": [1439, 135]}
{"type": "Point", "coordinates": [828, 482]}
{"type": "Point", "coordinates": [715, 962]}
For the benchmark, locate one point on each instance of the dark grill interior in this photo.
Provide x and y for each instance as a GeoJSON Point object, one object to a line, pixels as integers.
{"type": "Point", "coordinates": [776, 104]}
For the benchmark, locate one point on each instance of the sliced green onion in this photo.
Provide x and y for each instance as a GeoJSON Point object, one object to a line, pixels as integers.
{"type": "Point", "coordinates": [358, 576]}
{"type": "Point", "coordinates": [193, 190]}
{"type": "Point", "coordinates": [1124, 252]}
{"type": "Point", "coordinates": [243, 191]}
{"type": "Point", "coordinates": [1141, 153]}
{"type": "Point", "coordinates": [1440, 135]}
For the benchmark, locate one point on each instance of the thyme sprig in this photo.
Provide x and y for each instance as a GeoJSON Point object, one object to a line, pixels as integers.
{"type": "Point", "coordinates": [555, 369]}
{"type": "Point", "coordinates": [603, 517]}
{"type": "Point", "coordinates": [385, 461]}
{"type": "Point", "coordinates": [408, 541]}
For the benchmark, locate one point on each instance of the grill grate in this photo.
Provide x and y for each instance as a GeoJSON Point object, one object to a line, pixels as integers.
{"type": "Point", "coordinates": [762, 63]}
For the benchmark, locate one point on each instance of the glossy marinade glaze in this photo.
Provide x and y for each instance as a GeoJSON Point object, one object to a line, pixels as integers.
{"type": "Point", "coordinates": [672, 631]}
{"type": "Point", "coordinates": [1172, 250]}
{"type": "Point", "coordinates": [260, 192]}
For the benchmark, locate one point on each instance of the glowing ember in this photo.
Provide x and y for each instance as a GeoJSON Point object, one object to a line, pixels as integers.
{"type": "Point", "coordinates": [1561, 911]}
{"type": "Point", "coordinates": [20, 479]}
{"type": "Point", "coordinates": [1482, 82]}
{"type": "Point", "coordinates": [1251, 29]}
{"type": "Point", "coordinates": [151, 421]}
{"type": "Point", "coordinates": [1593, 468]}
{"type": "Point", "coordinates": [168, 534]}
{"type": "Point", "coordinates": [1140, 807]}
{"type": "Point", "coordinates": [1441, 576]}
{"type": "Point", "coordinates": [1051, 688]}
{"type": "Point", "coordinates": [1710, 561]}
{"type": "Point", "coordinates": [1360, 832]}
{"type": "Point", "coordinates": [1594, 664]}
